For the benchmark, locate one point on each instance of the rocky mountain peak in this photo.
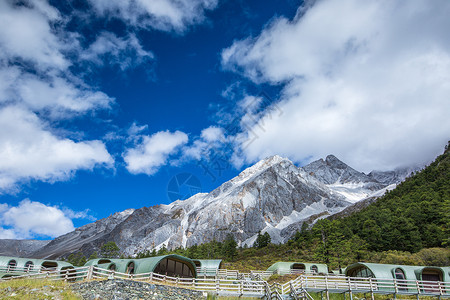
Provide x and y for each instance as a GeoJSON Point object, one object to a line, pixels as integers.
{"type": "Point", "coordinates": [334, 162]}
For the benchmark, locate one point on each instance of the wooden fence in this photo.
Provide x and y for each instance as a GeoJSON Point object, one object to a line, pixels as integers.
{"type": "Point", "coordinates": [298, 288]}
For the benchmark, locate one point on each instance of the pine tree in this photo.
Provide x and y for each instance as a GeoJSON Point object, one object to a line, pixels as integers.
{"type": "Point", "coordinates": [229, 247]}
{"type": "Point", "coordinates": [109, 250]}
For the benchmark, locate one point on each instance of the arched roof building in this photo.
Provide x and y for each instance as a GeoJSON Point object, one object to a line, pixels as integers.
{"type": "Point", "coordinates": [171, 265]}
{"type": "Point", "coordinates": [289, 267]}
{"type": "Point", "coordinates": [14, 266]}
{"type": "Point", "coordinates": [207, 267]}
{"type": "Point", "coordinates": [391, 271]}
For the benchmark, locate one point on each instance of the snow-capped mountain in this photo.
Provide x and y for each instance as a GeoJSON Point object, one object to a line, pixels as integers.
{"type": "Point", "coordinates": [273, 196]}
{"type": "Point", "coordinates": [346, 181]}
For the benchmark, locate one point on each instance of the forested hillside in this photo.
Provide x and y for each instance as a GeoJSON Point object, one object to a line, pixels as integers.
{"type": "Point", "coordinates": [413, 216]}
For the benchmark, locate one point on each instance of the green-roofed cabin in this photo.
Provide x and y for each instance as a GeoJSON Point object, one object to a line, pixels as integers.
{"type": "Point", "coordinates": [207, 267]}
{"type": "Point", "coordinates": [283, 268]}
{"type": "Point", "coordinates": [399, 272]}
{"type": "Point", "coordinates": [16, 266]}
{"type": "Point", "coordinates": [390, 271]}
{"type": "Point", "coordinates": [170, 265]}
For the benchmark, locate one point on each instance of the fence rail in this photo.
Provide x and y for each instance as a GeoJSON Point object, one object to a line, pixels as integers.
{"type": "Point", "coordinates": [296, 289]}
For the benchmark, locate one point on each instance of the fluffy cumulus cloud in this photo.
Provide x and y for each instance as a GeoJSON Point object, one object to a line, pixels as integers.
{"type": "Point", "coordinates": [29, 150]}
{"type": "Point", "coordinates": [26, 33]}
{"type": "Point", "coordinates": [211, 138]}
{"type": "Point", "coordinates": [160, 14]}
{"type": "Point", "coordinates": [31, 219]}
{"type": "Point", "coordinates": [151, 152]}
{"type": "Point", "coordinates": [367, 81]}
{"type": "Point", "coordinates": [125, 52]}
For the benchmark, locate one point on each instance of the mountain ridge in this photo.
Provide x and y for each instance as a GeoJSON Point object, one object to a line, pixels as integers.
{"type": "Point", "coordinates": [273, 196]}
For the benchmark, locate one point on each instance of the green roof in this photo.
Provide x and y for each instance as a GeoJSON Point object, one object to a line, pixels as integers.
{"type": "Point", "coordinates": [208, 263]}
{"type": "Point", "coordinates": [142, 265]}
{"type": "Point", "coordinates": [282, 267]}
{"type": "Point", "coordinates": [387, 271]}
{"type": "Point", "coordinates": [97, 261]}
{"type": "Point", "coordinates": [20, 262]}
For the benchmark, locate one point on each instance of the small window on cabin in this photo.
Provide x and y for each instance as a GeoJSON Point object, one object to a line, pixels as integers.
{"type": "Point", "coordinates": [299, 267]}
{"type": "Point", "coordinates": [314, 269]}
{"type": "Point", "coordinates": [50, 265]}
{"type": "Point", "coordinates": [361, 271]}
{"type": "Point", "coordinates": [130, 268]}
{"type": "Point", "coordinates": [112, 267]}
{"type": "Point", "coordinates": [431, 275]}
{"type": "Point", "coordinates": [399, 274]}
{"type": "Point", "coordinates": [29, 265]}
{"type": "Point", "coordinates": [12, 265]}
{"type": "Point", "coordinates": [197, 263]}
{"type": "Point", "coordinates": [103, 261]}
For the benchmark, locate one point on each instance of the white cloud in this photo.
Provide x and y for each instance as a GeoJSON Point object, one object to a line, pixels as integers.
{"type": "Point", "coordinates": [160, 14]}
{"type": "Point", "coordinates": [58, 95]}
{"type": "Point", "coordinates": [35, 81]}
{"type": "Point", "coordinates": [366, 81]}
{"type": "Point", "coordinates": [34, 219]}
{"type": "Point", "coordinates": [29, 150]}
{"type": "Point", "coordinates": [26, 33]}
{"type": "Point", "coordinates": [125, 52]}
{"type": "Point", "coordinates": [211, 138]}
{"type": "Point", "coordinates": [212, 134]}
{"type": "Point", "coordinates": [153, 151]}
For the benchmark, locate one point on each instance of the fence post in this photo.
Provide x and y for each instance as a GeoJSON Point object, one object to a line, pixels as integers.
{"type": "Point", "coordinates": [67, 276]}
{"type": "Point", "coordinates": [441, 291]}
{"type": "Point", "coordinates": [90, 272]}
{"type": "Point", "coordinates": [418, 289]}
{"type": "Point", "coordinates": [217, 285]}
{"type": "Point", "coordinates": [327, 292]}
{"type": "Point", "coordinates": [371, 289]}
{"type": "Point", "coordinates": [151, 277]}
{"type": "Point", "coordinates": [350, 288]}
{"type": "Point", "coordinates": [395, 288]}
{"type": "Point", "coordinates": [241, 287]}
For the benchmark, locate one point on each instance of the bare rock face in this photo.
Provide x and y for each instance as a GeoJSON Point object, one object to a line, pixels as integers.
{"type": "Point", "coordinates": [73, 241]}
{"type": "Point", "coordinates": [273, 196]}
{"type": "Point", "coordinates": [21, 248]}
{"type": "Point", "coordinates": [392, 177]}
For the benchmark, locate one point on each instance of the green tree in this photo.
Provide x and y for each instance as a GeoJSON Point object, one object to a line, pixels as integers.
{"type": "Point", "coordinates": [262, 240]}
{"type": "Point", "coordinates": [229, 247]}
{"type": "Point", "coordinates": [110, 250]}
{"type": "Point", "coordinates": [163, 250]}
{"type": "Point", "coordinates": [77, 259]}
{"type": "Point", "coordinates": [94, 255]}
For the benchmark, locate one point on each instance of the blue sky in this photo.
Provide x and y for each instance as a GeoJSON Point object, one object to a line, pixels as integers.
{"type": "Point", "coordinates": [109, 104]}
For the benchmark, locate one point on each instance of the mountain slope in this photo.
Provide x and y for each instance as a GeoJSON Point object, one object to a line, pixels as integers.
{"type": "Point", "coordinates": [261, 198]}
{"type": "Point", "coordinates": [273, 196]}
{"type": "Point", "coordinates": [21, 248]}
{"type": "Point", "coordinates": [83, 235]}
{"type": "Point", "coordinates": [414, 215]}
{"type": "Point", "coordinates": [353, 185]}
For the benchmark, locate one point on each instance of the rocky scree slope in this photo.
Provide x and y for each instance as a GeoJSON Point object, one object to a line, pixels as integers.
{"type": "Point", "coordinates": [273, 196]}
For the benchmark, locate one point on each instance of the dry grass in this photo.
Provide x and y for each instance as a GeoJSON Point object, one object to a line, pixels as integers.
{"type": "Point", "coordinates": [29, 289]}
